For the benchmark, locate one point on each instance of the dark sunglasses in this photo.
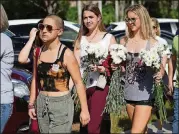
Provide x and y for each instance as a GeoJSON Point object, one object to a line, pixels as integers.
{"type": "Point", "coordinates": [48, 27]}
{"type": "Point", "coordinates": [132, 20]}
{"type": "Point", "coordinates": [154, 27]}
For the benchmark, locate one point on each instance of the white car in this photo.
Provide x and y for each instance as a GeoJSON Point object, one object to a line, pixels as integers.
{"type": "Point", "coordinates": [166, 24]}
{"type": "Point", "coordinates": [22, 27]}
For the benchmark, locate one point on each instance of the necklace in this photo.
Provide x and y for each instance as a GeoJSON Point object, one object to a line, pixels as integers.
{"type": "Point", "coordinates": [93, 36]}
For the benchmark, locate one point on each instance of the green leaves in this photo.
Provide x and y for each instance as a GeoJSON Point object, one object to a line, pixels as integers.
{"type": "Point", "coordinates": [115, 99]}
{"type": "Point", "coordinates": [159, 102]}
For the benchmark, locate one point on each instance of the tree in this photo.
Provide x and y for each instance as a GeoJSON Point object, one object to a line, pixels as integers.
{"type": "Point", "coordinates": [26, 9]}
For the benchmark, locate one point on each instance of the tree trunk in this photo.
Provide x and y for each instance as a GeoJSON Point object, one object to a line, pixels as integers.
{"type": "Point", "coordinates": [121, 9]}
{"type": "Point", "coordinates": [117, 10]}
{"type": "Point", "coordinates": [79, 11]}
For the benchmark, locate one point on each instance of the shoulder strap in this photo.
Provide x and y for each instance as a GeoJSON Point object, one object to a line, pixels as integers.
{"type": "Point", "coordinates": [148, 45]}
{"type": "Point", "coordinates": [104, 35]}
{"type": "Point", "coordinates": [62, 54]}
{"type": "Point", "coordinates": [37, 52]}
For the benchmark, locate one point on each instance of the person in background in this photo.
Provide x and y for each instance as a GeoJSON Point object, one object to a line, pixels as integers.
{"type": "Point", "coordinates": [173, 66]}
{"type": "Point", "coordinates": [92, 32]}
{"type": "Point", "coordinates": [7, 63]}
{"type": "Point", "coordinates": [55, 64]}
{"type": "Point", "coordinates": [34, 41]}
{"type": "Point", "coordinates": [156, 34]}
{"type": "Point", "coordinates": [138, 88]}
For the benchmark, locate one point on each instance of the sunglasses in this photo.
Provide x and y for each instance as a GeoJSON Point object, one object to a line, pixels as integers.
{"type": "Point", "coordinates": [48, 27]}
{"type": "Point", "coordinates": [154, 27]}
{"type": "Point", "coordinates": [132, 20]}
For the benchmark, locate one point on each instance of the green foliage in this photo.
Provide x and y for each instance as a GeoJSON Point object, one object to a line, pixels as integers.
{"type": "Point", "coordinates": [62, 8]}
{"type": "Point", "coordinates": [159, 102]}
{"type": "Point", "coordinates": [115, 99]}
{"type": "Point", "coordinates": [108, 13]}
{"type": "Point", "coordinates": [72, 14]}
{"type": "Point", "coordinates": [22, 9]}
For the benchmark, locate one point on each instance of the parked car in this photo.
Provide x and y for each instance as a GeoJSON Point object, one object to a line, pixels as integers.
{"type": "Point", "coordinates": [20, 41]}
{"type": "Point", "coordinates": [19, 120]}
{"type": "Point", "coordinates": [22, 27]}
{"type": "Point", "coordinates": [170, 25]}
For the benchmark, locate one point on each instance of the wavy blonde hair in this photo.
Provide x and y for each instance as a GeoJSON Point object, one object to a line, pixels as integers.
{"type": "Point", "coordinates": [4, 20]}
{"type": "Point", "coordinates": [146, 27]}
{"type": "Point", "coordinates": [83, 30]}
{"type": "Point", "coordinates": [156, 25]}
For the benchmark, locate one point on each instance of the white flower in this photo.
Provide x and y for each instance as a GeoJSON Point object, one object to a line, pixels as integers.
{"type": "Point", "coordinates": [118, 53]}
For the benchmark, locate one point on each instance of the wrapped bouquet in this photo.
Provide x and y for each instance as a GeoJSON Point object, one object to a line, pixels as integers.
{"type": "Point", "coordinates": [115, 99]}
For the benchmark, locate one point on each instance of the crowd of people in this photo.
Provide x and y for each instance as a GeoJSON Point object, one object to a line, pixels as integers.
{"type": "Point", "coordinates": [56, 69]}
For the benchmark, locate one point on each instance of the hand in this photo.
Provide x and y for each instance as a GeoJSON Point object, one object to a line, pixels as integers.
{"type": "Point", "coordinates": [32, 114]}
{"type": "Point", "coordinates": [170, 87]}
{"type": "Point", "coordinates": [84, 118]}
{"type": "Point", "coordinates": [114, 67]}
{"type": "Point", "coordinates": [33, 33]}
{"type": "Point", "coordinates": [101, 69]}
{"type": "Point", "coordinates": [93, 67]}
{"type": "Point", "coordinates": [158, 77]}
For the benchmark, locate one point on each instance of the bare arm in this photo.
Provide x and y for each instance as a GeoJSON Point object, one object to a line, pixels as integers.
{"type": "Point", "coordinates": [73, 68]}
{"type": "Point", "coordinates": [31, 107]}
{"type": "Point", "coordinates": [170, 75]}
{"type": "Point", "coordinates": [33, 85]}
{"type": "Point", "coordinates": [77, 56]}
{"type": "Point", "coordinates": [24, 53]}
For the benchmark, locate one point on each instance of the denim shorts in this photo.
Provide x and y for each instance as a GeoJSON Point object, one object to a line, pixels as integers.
{"type": "Point", "coordinates": [143, 102]}
{"type": "Point", "coordinates": [55, 114]}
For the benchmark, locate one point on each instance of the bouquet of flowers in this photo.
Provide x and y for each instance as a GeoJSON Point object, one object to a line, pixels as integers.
{"type": "Point", "coordinates": [95, 56]}
{"type": "Point", "coordinates": [115, 99]}
{"type": "Point", "coordinates": [152, 58]}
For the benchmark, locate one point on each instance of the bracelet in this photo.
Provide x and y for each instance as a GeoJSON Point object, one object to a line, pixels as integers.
{"type": "Point", "coordinates": [31, 106]}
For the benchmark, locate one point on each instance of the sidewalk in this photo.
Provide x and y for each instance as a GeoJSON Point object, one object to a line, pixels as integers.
{"type": "Point", "coordinates": [152, 129]}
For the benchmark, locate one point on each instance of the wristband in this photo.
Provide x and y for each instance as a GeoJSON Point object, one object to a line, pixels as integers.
{"type": "Point", "coordinates": [31, 106]}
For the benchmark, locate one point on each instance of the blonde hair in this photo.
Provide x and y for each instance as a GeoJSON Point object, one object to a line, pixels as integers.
{"type": "Point", "coordinates": [4, 20]}
{"type": "Point", "coordinates": [156, 25]}
{"type": "Point", "coordinates": [146, 27]}
{"type": "Point", "coordinates": [58, 21]}
{"type": "Point", "coordinates": [83, 30]}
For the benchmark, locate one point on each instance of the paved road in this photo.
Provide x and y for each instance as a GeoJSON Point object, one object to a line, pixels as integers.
{"type": "Point", "coordinates": [152, 129]}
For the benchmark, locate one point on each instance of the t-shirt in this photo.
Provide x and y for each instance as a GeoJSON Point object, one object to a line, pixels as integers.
{"type": "Point", "coordinates": [162, 41]}
{"type": "Point", "coordinates": [7, 62]}
{"type": "Point", "coordinates": [175, 51]}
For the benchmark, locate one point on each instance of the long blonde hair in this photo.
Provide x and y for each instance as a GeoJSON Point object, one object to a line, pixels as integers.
{"type": "Point", "coordinates": [83, 30]}
{"type": "Point", "coordinates": [4, 20]}
{"type": "Point", "coordinates": [146, 27]}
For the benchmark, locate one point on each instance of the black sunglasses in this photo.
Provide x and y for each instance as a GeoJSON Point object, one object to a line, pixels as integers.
{"type": "Point", "coordinates": [132, 20]}
{"type": "Point", "coordinates": [154, 27]}
{"type": "Point", "coordinates": [48, 27]}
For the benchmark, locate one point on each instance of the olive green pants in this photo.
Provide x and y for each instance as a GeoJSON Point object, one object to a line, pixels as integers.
{"type": "Point", "coordinates": [55, 114]}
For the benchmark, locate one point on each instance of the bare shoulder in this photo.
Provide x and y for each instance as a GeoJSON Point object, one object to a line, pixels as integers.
{"type": "Point", "coordinates": [123, 40]}
{"type": "Point", "coordinates": [68, 52]}
{"type": "Point", "coordinates": [153, 42]}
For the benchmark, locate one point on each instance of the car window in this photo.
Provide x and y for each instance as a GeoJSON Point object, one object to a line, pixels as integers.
{"type": "Point", "coordinates": [111, 27]}
{"type": "Point", "coordinates": [165, 26]}
{"type": "Point", "coordinates": [77, 25]}
{"type": "Point", "coordinates": [22, 30]}
{"type": "Point", "coordinates": [69, 33]}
